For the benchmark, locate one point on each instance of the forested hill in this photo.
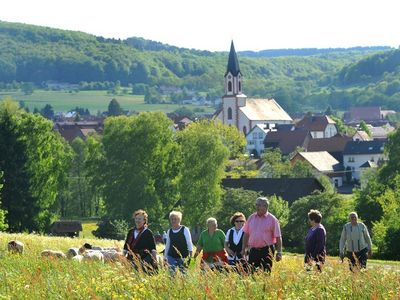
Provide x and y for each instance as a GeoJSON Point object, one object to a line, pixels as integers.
{"type": "Point", "coordinates": [36, 54]}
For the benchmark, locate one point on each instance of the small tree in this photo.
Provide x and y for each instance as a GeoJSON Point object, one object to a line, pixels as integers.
{"type": "Point", "coordinates": [47, 112]}
{"type": "Point", "coordinates": [114, 109]}
{"type": "Point", "coordinates": [363, 126]}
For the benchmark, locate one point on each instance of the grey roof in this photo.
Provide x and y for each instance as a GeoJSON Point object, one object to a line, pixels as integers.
{"type": "Point", "coordinates": [290, 189]}
{"type": "Point", "coordinates": [364, 147]}
{"type": "Point", "coordinates": [369, 164]}
{"type": "Point", "coordinates": [233, 63]}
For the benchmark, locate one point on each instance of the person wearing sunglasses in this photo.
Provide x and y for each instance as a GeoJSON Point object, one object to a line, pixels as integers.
{"type": "Point", "coordinates": [234, 238]}
{"type": "Point", "coordinates": [140, 246]}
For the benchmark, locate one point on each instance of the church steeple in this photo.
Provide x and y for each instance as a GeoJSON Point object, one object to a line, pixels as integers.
{"type": "Point", "coordinates": [233, 63]}
{"type": "Point", "coordinates": [233, 76]}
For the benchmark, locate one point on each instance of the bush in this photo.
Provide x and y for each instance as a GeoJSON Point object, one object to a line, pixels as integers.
{"type": "Point", "coordinates": [334, 209]}
{"type": "Point", "coordinates": [111, 229]}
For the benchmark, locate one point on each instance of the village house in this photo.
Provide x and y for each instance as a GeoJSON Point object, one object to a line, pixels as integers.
{"type": "Point", "coordinates": [72, 130]}
{"type": "Point", "coordinates": [255, 139]}
{"type": "Point", "coordinates": [245, 113]}
{"type": "Point", "coordinates": [287, 141]}
{"type": "Point", "coordinates": [319, 126]}
{"type": "Point", "coordinates": [334, 145]}
{"type": "Point", "coordinates": [322, 163]}
{"type": "Point", "coordinates": [357, 153]}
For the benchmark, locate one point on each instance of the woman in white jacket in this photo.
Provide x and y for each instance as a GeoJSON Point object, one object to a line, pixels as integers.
{"type": "Point", "coordinates": [356, 240]}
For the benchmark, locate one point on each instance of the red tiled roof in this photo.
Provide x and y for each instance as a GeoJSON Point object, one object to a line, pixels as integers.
{"type": "Point", "coordinates": [315, 123]}
{"type": "Point", "coordinates": [287, 141]}
{"type": "Point", "coordinates": [336, 143]}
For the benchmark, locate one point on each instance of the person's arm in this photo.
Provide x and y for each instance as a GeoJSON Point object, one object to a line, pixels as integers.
{"type": "Point", "coordinates": [278, 248]}
{"type": "Point", "coordinates": [319, 245]}
{"type": "Point", "coordinates": [245, 243]}
{"type": "Point", "coordinates": [167, 244]}
{"type": "Point", "coordinates": [368, 240]}
{"type": "Point", "coordinates": [226, 243]}
{"type": "Point", "coordinates": [199, 246]}
{"type": "Point", "coordinates": [278, 236]}
{"type": "Point", "coordinates": [189, 242]}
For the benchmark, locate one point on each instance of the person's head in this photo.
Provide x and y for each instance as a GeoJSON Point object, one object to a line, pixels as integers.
{"type": "Point", "coordinates": [212, 224]}
{"type": "Point", "coordinates": [353, 218]}
{"type": "Point", "coordinates": [238, 220]}
{"type": "Point", "coordinates": [175, 217]}
{"type": "Point", "coordinates": [314, 216]}
{"type": "Point", "coordinates": [262, 204]}
{"type": "Point", "coordinates": [140, 217]}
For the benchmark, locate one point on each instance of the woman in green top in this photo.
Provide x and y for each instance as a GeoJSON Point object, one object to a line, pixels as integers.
{"type": "Point", "coordinates": [211, 241]}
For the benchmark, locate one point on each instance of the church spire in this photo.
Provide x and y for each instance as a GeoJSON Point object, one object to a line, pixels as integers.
{"type": "Point", "coordinates": [233, 63]}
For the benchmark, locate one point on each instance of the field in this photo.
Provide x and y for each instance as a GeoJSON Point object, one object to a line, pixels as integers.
{"type": "Point", "coordinates": [28, 276]}
{"type": "Point", "coordinates": [63, 101]}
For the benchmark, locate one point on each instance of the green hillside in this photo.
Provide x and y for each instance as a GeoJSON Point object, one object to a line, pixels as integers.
{"type": "Point", "coordinates": [305, 80]}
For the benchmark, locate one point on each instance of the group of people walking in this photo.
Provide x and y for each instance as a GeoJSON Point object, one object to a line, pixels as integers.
{"type": "Point", "coordinates": [249, 245]}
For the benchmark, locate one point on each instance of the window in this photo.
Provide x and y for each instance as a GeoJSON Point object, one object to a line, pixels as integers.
{"type": "Point", "coordinates": [251, 142]}
{"type": "Point", "coordinates": [229, 86]}
{"type": "Point", "coordinates": [351, 159]}
{"type": "Point", "coordinates": [240, 86]}
{"type": "Point", "coordinates": [244, 130]}
{"type": "Point", "coordinates": [261, 142]}
{"type": "Point", "coordinates": [372, 158]}
{"type": "Point", "coordinates": [254, 135]}
{"type": "Point", "coordinates": [229, 113]}
{"type": "Point", "coordinates": [260, 135]}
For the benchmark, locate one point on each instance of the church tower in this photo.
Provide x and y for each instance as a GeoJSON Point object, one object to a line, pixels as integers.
{"type": "Point", "coordinates": [234, 97]}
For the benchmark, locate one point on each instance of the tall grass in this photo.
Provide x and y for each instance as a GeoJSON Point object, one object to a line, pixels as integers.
{"type": "Point", "coordinates": [29, 276]}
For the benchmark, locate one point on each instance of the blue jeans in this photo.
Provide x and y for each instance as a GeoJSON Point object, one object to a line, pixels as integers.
{"type": "Point", "coordinates": [173, 263]}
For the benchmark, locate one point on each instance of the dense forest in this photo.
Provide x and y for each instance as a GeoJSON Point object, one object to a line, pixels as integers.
{"type": "Point", "coordinates": [300, 79]}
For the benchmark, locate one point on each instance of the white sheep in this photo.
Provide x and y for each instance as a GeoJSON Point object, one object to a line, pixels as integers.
{"type": "Point", "coordinates": [15, 246]}
{"type": "Point", "coordinates": [77, 258]}
{"type": "Point", "coordinates": [93, 255]}
{"type": "Point", "coordinates": [53, 253]}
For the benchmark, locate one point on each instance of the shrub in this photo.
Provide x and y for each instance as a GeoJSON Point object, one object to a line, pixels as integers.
{"type": "Point", "coordinates": [111, 229]}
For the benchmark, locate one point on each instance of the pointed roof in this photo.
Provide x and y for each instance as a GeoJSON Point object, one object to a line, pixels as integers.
{"type": "Point", "coordinates": [233, 63]}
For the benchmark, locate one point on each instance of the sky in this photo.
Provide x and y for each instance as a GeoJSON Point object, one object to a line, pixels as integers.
{"type": "Point", "coordinates": [212, 24]}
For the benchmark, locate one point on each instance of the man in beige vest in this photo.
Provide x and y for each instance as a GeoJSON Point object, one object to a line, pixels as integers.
{"type": "Point", "coordinates": [357, 242]}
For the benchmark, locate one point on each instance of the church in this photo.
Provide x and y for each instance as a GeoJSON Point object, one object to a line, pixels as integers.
{"type": "Point", "coordinates": [245, 113]}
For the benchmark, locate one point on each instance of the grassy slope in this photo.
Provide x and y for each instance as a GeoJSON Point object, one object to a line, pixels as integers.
{"type": "Point", "coordinates": [29, 276]}
{"type": "Point", "coordinates": [93, 100]}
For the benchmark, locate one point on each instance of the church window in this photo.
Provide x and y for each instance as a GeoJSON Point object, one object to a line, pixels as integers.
{"type": "Point", "coordinates": [229, 113]}
{"type": "Point", "coordinates": [229, 86]}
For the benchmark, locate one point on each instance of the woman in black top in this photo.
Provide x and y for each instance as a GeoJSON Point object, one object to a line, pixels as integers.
{"type": "Point", "coordinates": [178, 247]}
{"type": "Point", "coordinates": [234, 238]}
{"type": "Point", "coordinates": [140, 246]}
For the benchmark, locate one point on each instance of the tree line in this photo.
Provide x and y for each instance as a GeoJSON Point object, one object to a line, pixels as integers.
{"type": "Point", "coordinates": [33, 54]}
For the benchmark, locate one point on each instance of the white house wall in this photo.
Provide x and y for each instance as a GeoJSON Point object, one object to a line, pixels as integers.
{"type": "Point", "coordinates": [358, 160]}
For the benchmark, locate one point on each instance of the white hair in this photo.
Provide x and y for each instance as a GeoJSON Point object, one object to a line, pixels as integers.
{"type": "Point", "coordinates": [212, 220]}
{"type": "Point", "coordinates": [176, 214]}
{"type": "Point", "coordinates": [353, 213]}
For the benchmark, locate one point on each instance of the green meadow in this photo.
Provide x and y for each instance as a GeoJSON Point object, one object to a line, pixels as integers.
{"type": "Point", "coordinates": [29, 276]}
{"type": "Point", "coordinates": [63, 101]}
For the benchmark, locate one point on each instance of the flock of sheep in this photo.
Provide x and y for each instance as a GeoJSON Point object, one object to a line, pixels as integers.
{"type": "Point", "coordinates": [85, 253]}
